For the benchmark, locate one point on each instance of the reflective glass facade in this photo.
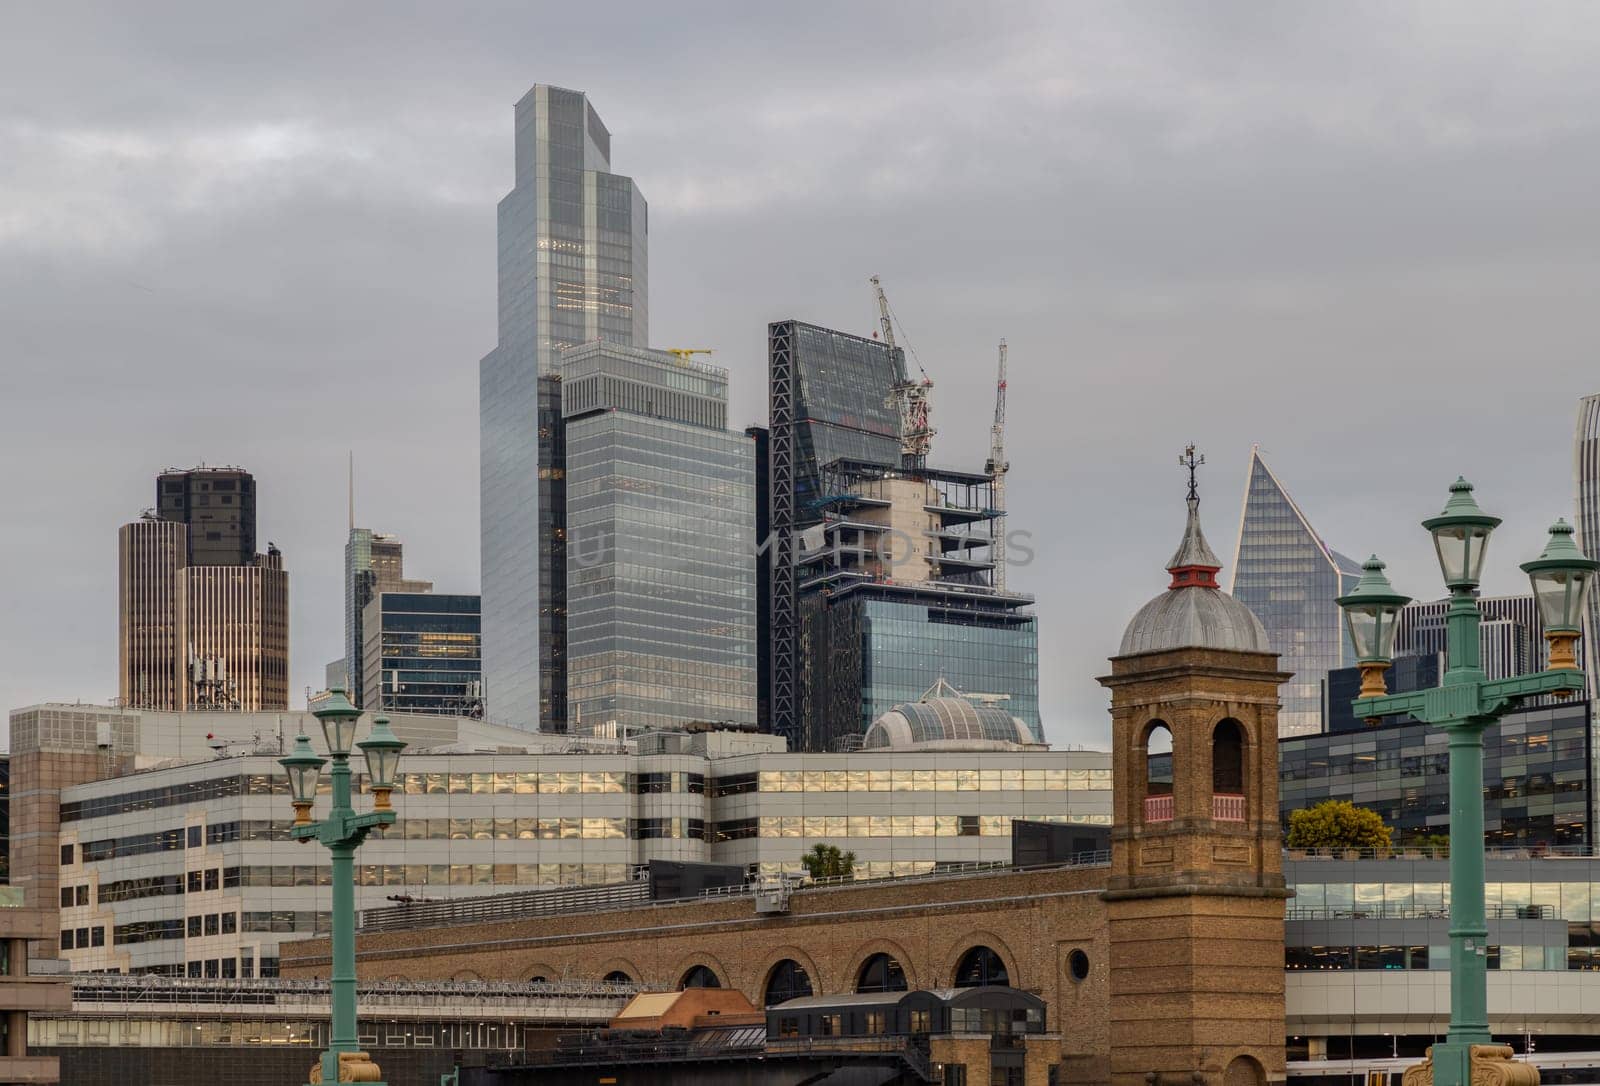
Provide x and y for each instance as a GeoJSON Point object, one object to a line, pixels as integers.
{"type": "Point", "coordinates": [867, 652]}
{"type": "Point", "coordinates": [1586, 471]}
{"type": "Point", "coordinates": [1543, 914]}
{"type": "Point", "coordinates": [661, 521]}
{"type": "Point", "coordinates": [572, 258]}
{"type": "Point", "coordinates": [1536, 776]}
{"type": "Point", "coordinates": [422, 653]}
{"type": "Point", "coordinates": [1288, 576]}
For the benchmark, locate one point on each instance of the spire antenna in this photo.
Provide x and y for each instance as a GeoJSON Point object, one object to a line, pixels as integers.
{"type": "Point", "coordinates": [1191, 461]}
{"type": "Point", "coordinates": [351, 478]}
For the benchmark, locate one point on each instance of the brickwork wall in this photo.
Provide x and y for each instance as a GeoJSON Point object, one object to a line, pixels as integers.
{"type": "Point", "coordinates": [1033, 920]}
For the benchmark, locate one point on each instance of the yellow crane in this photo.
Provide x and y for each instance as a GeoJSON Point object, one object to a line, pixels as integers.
{"type": "Point", "coordinates": [686, 354]}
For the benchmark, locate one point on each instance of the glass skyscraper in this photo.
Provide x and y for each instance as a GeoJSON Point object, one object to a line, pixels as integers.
{"type": "Point", "coordinates": [1286, 574]}
{"type": "Point", "coordinates": [572, 258]}
{"type": "Point", "coordinates": [660, 529]}
{"type": "Point", "coordinates": [828, 396]}
{"type": "Point", "coordinates": [1586, 465]}
{"type": "Point", "coordinates": [373, 563]}
{"type": "Point", "coordinates": [422, 653]}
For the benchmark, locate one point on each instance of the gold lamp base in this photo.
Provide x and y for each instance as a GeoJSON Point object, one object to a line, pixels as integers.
{"type": "Point", "coordinates": [380, 799]}
{"type": "Point", "coordinates": [1563, 654]}
{"type": "Point", "coordinates": [353, 1067]}
{"type": "Point", "coordinates": [302, 814]}
{"type": "Point", "coordinates": [1374, 683]}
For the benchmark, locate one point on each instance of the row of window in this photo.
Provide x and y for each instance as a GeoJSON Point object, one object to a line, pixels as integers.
{"type": "Point", "coordinates": [554, 829]}
{"type": "Point", "coordinates": [1577, 902]}
{"type": "Point", "coordinates": [1299, 958]}
{"type": "Point", "coordinates": [202, 924]}
{"type": "Point", "coordinates": [83, 938]}
{"type": "Point", "coordinates": [607, 782]}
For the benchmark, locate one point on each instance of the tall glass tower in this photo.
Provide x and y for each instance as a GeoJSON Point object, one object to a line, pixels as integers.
{"type": "Point", "coordinates": [661, 523]}
{"type": "Point", "coordinates": [1286, 574]}
{"type": "Point", "coordinates": [572, 249]}
{"type": "Point", "coordinates": [1586, 462]}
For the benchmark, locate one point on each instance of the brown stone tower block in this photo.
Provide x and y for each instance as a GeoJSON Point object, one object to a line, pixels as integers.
{"type": "Point", "coordinates": [1195, 901]}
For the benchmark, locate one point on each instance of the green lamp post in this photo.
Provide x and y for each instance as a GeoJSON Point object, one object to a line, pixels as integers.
{"type": "Point", "coordinates": [1464, 705]}
{"type": "Point", "coordinates": [342, 832]}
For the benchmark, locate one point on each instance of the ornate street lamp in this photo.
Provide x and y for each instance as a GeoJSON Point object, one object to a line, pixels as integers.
{"type": "Point", "coordinates": [1464, 705]}
{"type": "Point", "coordinates": [382, 752]}
{"type": "Point", "coordinates": [1562, 578]}
{"type": "Point", "coordinates": [1460, 536]}
{"type": "Point", "coordinates": [1371, 612]}
{"type": "Point", "coordinates": [342, 832]}
{"type": "Point", "coordinates": [303, 767]}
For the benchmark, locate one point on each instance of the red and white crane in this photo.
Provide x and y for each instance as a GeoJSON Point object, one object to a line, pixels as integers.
{"type": "Point", "coordinates": [996, 469]}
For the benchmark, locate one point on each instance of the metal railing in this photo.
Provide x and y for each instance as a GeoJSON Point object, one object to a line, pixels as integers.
{"type": "Point", "coordinates": [1416, 912]}
{"type": "Point", "coordinates": [492, 908]}
{"type": "Point", "coordinates": [1227, 808]}
{"type": "Point", "coordinates": [1442, 852]}
{"type": "Point", "coordinates": [144, 988]}
{"type": "Point", "coordinates": [510, 906]}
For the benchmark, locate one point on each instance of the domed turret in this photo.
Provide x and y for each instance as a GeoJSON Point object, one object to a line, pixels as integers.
{"type": "Point", "coordinates": [1194, 613]}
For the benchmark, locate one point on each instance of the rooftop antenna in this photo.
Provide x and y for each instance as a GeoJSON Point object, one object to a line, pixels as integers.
{"type": "Point", "coordinates": [1191, 461]}
{"type": "Point", "coordinates": [351, 476]}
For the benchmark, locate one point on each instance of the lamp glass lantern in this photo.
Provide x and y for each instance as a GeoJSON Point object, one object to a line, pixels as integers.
{"type": "Point", "coordinates": [1461, 537]}
{"type": "Point", "coordinates": [1371, 614]}
{"type": "Point", "coordinates": [382, 751]}
{"type": "Point", "coordinates": [338, 719]}
{"type": "Point", "coordinates": [1562, 577]}
{"type": "Point", "coordinates": [303, 767]}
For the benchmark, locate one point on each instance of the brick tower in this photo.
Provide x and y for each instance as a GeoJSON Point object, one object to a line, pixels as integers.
{"type": "Point", "coordinates": [1196, 896]}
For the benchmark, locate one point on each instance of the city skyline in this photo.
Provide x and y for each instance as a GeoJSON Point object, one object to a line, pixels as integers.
{"type": "Point", "coordinates": [1224, 287]}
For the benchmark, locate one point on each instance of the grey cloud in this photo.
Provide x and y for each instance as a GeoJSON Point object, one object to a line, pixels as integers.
{"type": "Point", "coordinates": [1362, 235]}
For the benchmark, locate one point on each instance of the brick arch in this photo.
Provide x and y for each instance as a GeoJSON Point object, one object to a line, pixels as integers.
{"type": "Point", "coordinates": [770, 962]}
{"type": "Point", "coordinates": [1243, 1069]}
{"type": "Point", "coordinates": [946, 977]}
{"type": "Point", "coordinates": [699, 957]}
{"type": "Point", "coordinates": [543, 969]}
{"type": "Point", "coordinates": [614, 965]}
{"type": "Point", "coordinates": [881, 946]}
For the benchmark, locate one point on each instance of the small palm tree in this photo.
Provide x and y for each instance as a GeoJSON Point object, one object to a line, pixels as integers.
{"type": "Point", "coordinates": [827, 862]}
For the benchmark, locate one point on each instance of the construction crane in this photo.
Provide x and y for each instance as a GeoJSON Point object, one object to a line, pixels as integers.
{"type": "Point", "coordinates": [686, 354]}
{"type": "Point", "coordinates": [996, 469]}
{"type": "Point", "coordinates": [912, 399]}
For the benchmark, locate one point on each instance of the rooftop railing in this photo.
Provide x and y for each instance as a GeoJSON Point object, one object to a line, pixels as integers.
{"type": "Point", "coordinates": [494, 908]}
{"type": "Point", "coordinates": [1442, 852]}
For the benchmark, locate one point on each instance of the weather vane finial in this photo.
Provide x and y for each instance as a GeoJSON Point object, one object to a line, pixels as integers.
{"type": "Point", "coordinates": [1191, 461]}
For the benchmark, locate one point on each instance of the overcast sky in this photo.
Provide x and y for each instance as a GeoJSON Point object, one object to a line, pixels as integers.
{"type": "Point", "coordinates": [1365, 236]}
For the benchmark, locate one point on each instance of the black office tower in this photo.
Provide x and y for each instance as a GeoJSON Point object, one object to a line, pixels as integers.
{"type": "Point", "coordinates": [828, 399]}
{"type": "Point", "coordinates": [218, 505]}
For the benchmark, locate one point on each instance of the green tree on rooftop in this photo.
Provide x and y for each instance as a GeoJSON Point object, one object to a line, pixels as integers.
{"type": "Point", "coordinates": [1338, 823]}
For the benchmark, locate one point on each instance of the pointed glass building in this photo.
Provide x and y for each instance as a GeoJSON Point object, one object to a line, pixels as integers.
{"type": "Point", "coordinates": [572, 258]}
{"type": "Point", "coordinates": [1286, 575]}
{"type": "Point", "coordinates": [1586, 464]}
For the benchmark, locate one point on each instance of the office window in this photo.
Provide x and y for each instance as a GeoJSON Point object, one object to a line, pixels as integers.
{"type": "Point", "coordinates": [214, 878]}
{"type": "Point", "coordinates": [83, 895]}
{"type": "Point", "coordinates": [195, 882]}
{"type": "Point", "coordinates": [97, 936]}
{"type": "Point", "coordinates": [66, 855]}
{"type": "Point", "coordinates": [195, 924]}
{"type": "Point", "coordinates": [66, 897]}
{"type": "Point", "coordinates": [192, 836]}
{"type": "Point", "coordinates": [194, 969]}
{"type": "Point", "coordinates": [230, 923]}
{"type": "Point", "coordinates": [66, 938]}
{"type": "Point", "coordinates": [212, 924]}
